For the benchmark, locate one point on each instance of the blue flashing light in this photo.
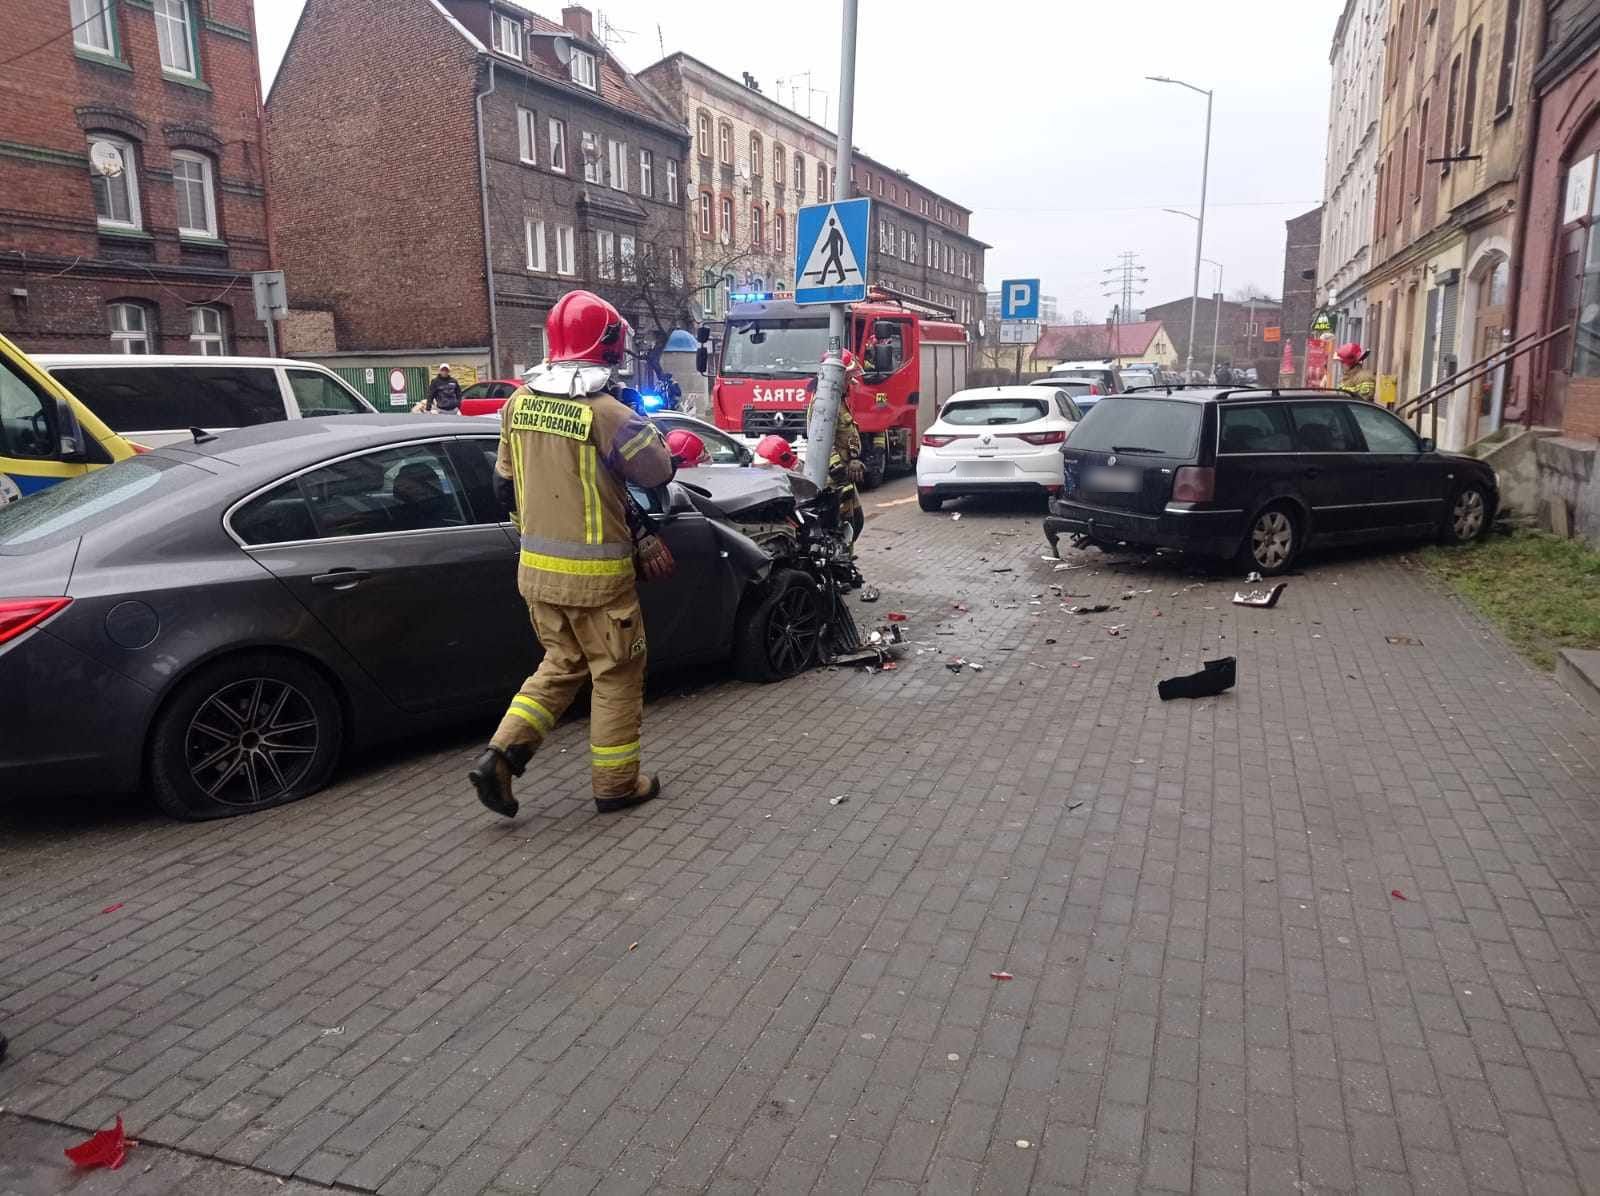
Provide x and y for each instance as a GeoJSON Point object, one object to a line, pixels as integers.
{"type": "Point", "coordinates": [653, 401]}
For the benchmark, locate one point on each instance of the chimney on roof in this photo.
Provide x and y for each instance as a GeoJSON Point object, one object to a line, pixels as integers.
{"type": "Point", "coordinates": [579, 20]}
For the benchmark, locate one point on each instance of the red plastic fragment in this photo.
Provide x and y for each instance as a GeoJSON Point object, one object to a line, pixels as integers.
{"type": "Point", "coordinates": [107, 1148]}
{"type": "Point", "coordinates": [896, 617]}
{"type": "Point", "coordinates": [889, 666]}
{"type": "Point", "coordinates": [1398, 895]}
{"type": "Point", "coordinates": [112, 908]}
{"type": "Point", "coordinates": [1001, 976]}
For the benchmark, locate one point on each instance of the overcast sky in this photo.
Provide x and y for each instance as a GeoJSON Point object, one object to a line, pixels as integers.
{"type": "Point", "coordinates": [1036, 115]}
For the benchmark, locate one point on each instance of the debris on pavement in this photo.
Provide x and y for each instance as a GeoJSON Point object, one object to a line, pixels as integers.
{"type": "Point", "coordinates": [896, 617]}
{"type": "Point", "coordinates": [330, 1031]}
{"type": "Point", "coordinates": [1023, 1144]}
{"type": "Point", "coordinates": [1001, 976]}
{"type": "Point", "coordinates": [1404, 641]}
{"type": "Point", "coordinates": [1252, 577]}
{"type": "Point", "coordinates": [1214, 677]}
{"type": "Point", "coordinates": [1264, 598]}
{"type": "Point", "coordinates": [632, 946]}
{"type": "Point", "coordinates": [1099, 608]}
{"type": "Point", "coordinates": [1064, 566]}
{"type": "Point", "coordinates": [869, 594]}
{"type": "Point", "coordinates": [839, 800]}
{"type": "Point", "coordinates": [955, 516]}
{"type": "Point", "coordinates": [962, 607]}
{"type": "Point", "coordinates": [1003, 569]}
{"type": "Point", "coordinates": [106, 1148]}
{"type": "Point", "coordinates": [112, 908]}
{"type": "Point", "coordinates": [1071, 806]}
{"type": "Point", "coordinates": [1398, 895]}
{"type": "Point", "coordinates": [1116, 629]}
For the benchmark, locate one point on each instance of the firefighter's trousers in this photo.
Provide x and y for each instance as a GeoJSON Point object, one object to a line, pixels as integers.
{"type": "Point", "coordinates": [602, 643]}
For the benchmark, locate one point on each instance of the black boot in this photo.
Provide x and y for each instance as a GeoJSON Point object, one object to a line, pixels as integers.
{"type": "Point", "coordinates": [645, 790]}
{"type": "Point", "coordinates": [1213, 678]}
{"type": "Point", "coordinates": [491, 777]}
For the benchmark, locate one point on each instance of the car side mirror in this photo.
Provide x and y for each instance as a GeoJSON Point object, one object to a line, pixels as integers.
{"type": "Point", "coordinates": [73, 447]}
{"type": "Point", "coordinates": [677, 464]}
{"type": "Point", "coordinates": [1427, 445]}
{"type": "Point", "coordinates": [702, 359]}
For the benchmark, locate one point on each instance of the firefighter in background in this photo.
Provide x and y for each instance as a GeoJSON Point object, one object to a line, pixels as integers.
{"type": "Point", "coordinates": [846, 470]}
{"type": "Point", "coordinates": [1356, 377]}
{"type": "Point", "coordinates": [568, 448]}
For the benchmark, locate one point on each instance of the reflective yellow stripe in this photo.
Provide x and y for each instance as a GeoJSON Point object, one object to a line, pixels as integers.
{"type": "Point", "coordinates": [518, 712]}
{"type": "Point", "coordinates": [615, 757]}
{"type": "Point", "coordinates": [633, 447]}
{"type": "Point", "coordinates": [542, 718]}
{"type": "Point", "coordinates": [618, 567]}
{"type": "Point", "coordinates": [591, 495]}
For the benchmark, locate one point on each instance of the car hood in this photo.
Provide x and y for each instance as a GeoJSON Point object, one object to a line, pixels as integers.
{"type": "Point", "coordinates": [748, 493]}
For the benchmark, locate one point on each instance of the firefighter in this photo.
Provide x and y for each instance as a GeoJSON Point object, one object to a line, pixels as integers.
{"type": "Point", "coordinates": [846, 470]}
{"type": "Point", "coordinates": [688, 448]}
{"type": "Point", "coordinates": [568, 448]}
{"type": "Point", "coordinates": [1357, 378]}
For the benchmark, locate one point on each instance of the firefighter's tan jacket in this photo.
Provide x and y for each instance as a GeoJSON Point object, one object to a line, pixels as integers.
{"type": "Point", "coordinates": [570, 460]}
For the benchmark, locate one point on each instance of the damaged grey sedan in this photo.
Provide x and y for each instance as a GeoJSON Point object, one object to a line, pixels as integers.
{"type": "Point", "coordinates": [283, 593]}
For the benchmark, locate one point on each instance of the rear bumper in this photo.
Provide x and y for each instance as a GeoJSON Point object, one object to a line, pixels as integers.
{"type": "Point", "coordinates": [948, 477]}
{"type": "Point", "coordinates": [72, 726]}
{"type": "Point", "coordinates": [1209, 533]}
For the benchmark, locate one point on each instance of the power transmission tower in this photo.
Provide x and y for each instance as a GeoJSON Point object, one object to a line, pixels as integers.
{"type": "Point", "coordinates": [1124, 283]}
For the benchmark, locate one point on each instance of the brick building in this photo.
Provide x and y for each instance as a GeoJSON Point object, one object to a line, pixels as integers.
{"type": "Point", "coordinates": [132, 177]}
{"type": "Point", "coordinates": [754, 155]}
{"type": "Point", "coordinates": [438, 211]}
{"type": "Point", "coordinates": [1238, 328]}
{"type": "Point", "coordinates": [1301, 251]}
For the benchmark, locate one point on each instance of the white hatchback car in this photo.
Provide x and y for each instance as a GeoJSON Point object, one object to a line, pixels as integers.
{"type": "Point", "coordinates": [997, 440]}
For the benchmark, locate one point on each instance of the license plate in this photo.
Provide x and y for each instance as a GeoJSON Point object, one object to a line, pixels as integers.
{"type": "Point", "coordinates": [1112, 481]}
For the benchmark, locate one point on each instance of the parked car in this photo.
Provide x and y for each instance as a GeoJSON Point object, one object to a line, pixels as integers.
{"type": "Point", "coordinates": [1103, 374]}
{"type": "Point", "coordinates": [724, 449]}
{"type": "Point", "coordinates": [154, 399]}
{"type": "Point", "coordinates": [219, 621]}
{"type": "Point", "coordinates": [1260, 475]}
{"type": "Point", "coordinates": [486, 398]}
{"type": "Point", "coordinates": [46, 434]}
{"type": "Point", "coordinates": [997, 439]}
{"type": "Point", "coordinates": [1084, 394]}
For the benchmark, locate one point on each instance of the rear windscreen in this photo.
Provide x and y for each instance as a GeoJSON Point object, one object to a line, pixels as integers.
{"type": "Point", "coordinates": [1152, 427]}
{"type": "Point", "coordinates": [994, 411]}
{"type": "Point", "coordinates": [154, 398]}
{"type": "Point", "coordinates": [72, 507]}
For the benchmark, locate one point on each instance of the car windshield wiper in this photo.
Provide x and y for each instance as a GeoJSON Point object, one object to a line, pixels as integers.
{"type": "Point", "coordinates": [1136, 448]}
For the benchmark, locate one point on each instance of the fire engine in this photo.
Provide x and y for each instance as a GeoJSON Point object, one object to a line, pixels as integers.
{"type": "Point", "coordinates": [913, 356]}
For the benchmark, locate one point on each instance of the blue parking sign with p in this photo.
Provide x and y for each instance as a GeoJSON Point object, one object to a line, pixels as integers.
{"type": "Point", "coordinates": [1019, 299]}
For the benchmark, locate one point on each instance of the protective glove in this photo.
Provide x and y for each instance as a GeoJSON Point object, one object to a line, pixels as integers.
{"type": "Point", "coordinates": [855, 471]}
{"type": "Point", "coordinates": [654, 558]}
{"type": "Point", "coordinates": [505, 493]}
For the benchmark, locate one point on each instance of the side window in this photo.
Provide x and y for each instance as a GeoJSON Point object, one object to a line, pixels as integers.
{"type": "Point", "coordinates": [27, 418]}
{"type": "Point", "coordinates": [723, 450]}
{"type": "Point", "coordinates": [1384, 433]}
{"type": "Point", "coordinates": [1255, 430]}
{"type": "Point", "coordinates": [279, 515]}
{"type": "Point", "coordinates": [317, 394]}
{"type": "Point", "coordinates": [893, 334]}
{"type": "Point", "coordinates": [393, 490]}
{"type": "Point", "coordinates": [473, 459]}
{"type": "Point", "coordinates": [1321, 428]}
{"type": "Point", "coordinates": [148, 398]}
{"type": "Point", "coordinates": [1065, 405]}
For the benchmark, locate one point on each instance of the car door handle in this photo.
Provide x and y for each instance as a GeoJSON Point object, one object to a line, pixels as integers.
{"type": "Point", "coordinates": [341, 579]}
{"type": "Point", "coordinates": [1313, 472]}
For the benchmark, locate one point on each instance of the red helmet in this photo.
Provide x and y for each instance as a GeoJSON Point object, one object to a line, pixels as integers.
{"type": "Point", "coordinates": [779, 451]}
{"type": "Point", "coordinates": [687, 447]}
{"type": "Point", "coordinates": [583, 327]}
{"type": "Point", "coordinates": [847, 357]}
{"type": "Point", "coordinates": [1351, 355]}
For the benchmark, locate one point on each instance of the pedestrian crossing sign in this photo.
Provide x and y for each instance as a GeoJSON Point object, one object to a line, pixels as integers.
{"type": "Point", "coordinates": [831, 251]}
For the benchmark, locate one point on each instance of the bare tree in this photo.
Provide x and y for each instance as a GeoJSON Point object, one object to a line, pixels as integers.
{"type": "Point", "coordinates": [662, 299]}
{"type": "Point", "coordinates": [1249, 291]}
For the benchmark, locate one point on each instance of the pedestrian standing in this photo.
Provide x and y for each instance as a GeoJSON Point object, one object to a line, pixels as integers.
{"type": "Point", "coordinates": [444, 392]}
{"type": "Point", "coordinates": [568, 449]}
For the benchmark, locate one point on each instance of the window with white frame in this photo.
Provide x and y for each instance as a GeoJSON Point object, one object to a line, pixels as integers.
{"type": "Point", "coordinates": [566, 258]}
{"type": "Point", "coordinates": [727, 220]}
{"type": "Point", "coordinates": [116, 196]}
{"type": "Point", "coordinates": [591, 158]}
{"type": "Point", "coordinates": [534, 235]}
{"type": "Point", "coordinates": [933, 252]}
{"type": "Point", "coordinates": [130, 327]}
{"type": "Point", "coordinates": [558, 146]}
{"type": "Point", "coordinates": [905, 253]}
{"type": "Point", "coordinates": [92, 27]}
{"type": "Point", "coordinates": [799, 172]}
{"type": "Point", "coordinates": [647, 174]}
{"type": "Point", "coordinates": [758, 156]}
{"type": "Point", "coordinates": [175, 36]}
{"type": "Point", "coordinates": [527, 136]}
{"type": "Point", "coordinates": [702, 135]}
{"type": "Point", "coordinates": [507, 35]}
{"type": "Point", "coordinates": [779, 224]}
{"type": "Point", "coordinates": [705, 213]}
{"type": "Point", "coordinates": [672, 180]}
{"type": "Point", "coordinates": [208, 335]}
{"type": "Point", "coordinates": [755, 226]}
{"type": "Point", "coordinates": [778, 166]}
{"type": "Point", "coordinates": [196, 194]}
{"type": "Point", "coordinates": [675, 265]}
{"type": "Point", "coordinates": [605, 255]}
{"type": "Point", "coordinates": [885, 236]}
{"type": "Point", "coordinates": [582, 69]}
{"type": "Point", "coordinates": [627, 256]}
{"type": "Point", "coordinates": [725, 143]}
{"type": "Point", "coordinates": [617, 154]}
{"type": "Point", "coordinates": [822, 182]}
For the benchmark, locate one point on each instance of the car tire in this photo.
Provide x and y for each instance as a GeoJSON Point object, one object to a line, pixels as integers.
{"type": "Point", "coordinates": [779, 634]}
{"type": "Point", "coordinates": [211, 751]}
{"type": "Point", "coordinates": [1272, 540]}
{"type": "Point", "coordinates": [929, 502]}
{"type": "Point", "coordinates": [1467, 518]}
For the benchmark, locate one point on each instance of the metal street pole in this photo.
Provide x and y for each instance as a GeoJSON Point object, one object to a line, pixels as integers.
{"type": "Point", "coordinates": [831, 383]}
{"type": "Point", "coordinates": [1200, 224]}
{"type": "Point", "coordinates": [1216, 323]}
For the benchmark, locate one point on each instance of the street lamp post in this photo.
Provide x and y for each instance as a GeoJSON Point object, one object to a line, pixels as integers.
{"type": "Point", "coordinates": [1200, 222]}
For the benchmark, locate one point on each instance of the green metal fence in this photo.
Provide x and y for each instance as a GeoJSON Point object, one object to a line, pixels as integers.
{"type": "Point", "coordinates": [373, 383]}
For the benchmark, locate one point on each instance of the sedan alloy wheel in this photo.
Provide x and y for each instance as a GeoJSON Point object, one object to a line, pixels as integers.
{"type": "Point", "coordinates": [252, 741]}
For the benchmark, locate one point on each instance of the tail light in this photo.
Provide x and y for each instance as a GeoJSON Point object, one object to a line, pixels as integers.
{"type": "Point", "coordinates": [1194, 483]}
{"type": "Point", "coordinates": [20, 614]}
{"type": "Point", "coordinates": [932, 441]}
{"type": "Point", "coordinates": [1043, 437]}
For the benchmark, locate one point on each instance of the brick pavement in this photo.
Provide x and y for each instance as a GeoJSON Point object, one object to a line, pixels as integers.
{"type": "Point", "coordinates": [384, 987]}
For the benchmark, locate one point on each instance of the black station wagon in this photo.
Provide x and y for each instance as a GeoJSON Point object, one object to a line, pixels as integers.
{"type": "Point", "coordinates": [1257, 475]}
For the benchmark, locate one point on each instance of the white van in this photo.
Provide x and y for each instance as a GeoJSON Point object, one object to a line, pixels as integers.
{"type": "Point", "coordinates": [155, 399]}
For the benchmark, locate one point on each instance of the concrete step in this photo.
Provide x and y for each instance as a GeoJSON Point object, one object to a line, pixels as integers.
{"type": "Point", "coordinates": [1579, 671]}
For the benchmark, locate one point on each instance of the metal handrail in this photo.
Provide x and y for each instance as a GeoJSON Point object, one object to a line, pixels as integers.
{"type": "Point", "coordinates": [1477, 371]}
